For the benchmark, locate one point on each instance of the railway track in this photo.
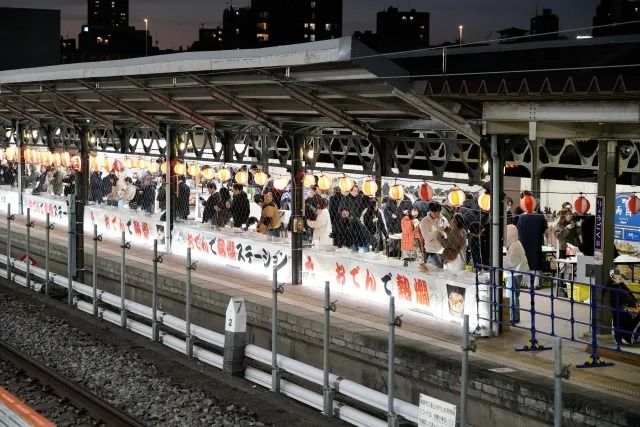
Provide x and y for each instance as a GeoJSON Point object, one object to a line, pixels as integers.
{"type": "Point", "coordinates": [97, 407]}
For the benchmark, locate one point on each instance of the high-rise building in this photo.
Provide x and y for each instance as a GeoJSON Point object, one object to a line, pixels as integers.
{"type": "Point", "coordinates": [108, 13]}
{"type": "Point", "coordinates": [238, 26]}
{"type": "Point", "coordinates": [616, 12]}
{"type": "Point", "coordinates": [208, 39]}
{"type": "Point", "coordinates": [29, 37]}
{"type": "Point", "coordinates": [398, 30]}
{"type": "Point", "coordinates": [545, 26]}
{"type": "Point", "coordinates": [279, 22]}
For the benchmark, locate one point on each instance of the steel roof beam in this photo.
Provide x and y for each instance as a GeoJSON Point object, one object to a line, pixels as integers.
{"type": "Point", "coordinates": [439, 112]}
{"type": "Point", "coordinates": [20, 112]}
{"type": "Point", "coordinates": [242, 107]}
{"type": "Point", "coordinates": [329, 111]}
{"type": "Point", "coordinates": [81, 108]}
{"type": "Point", "coordinates": [38, 106]}
{"type": "Point", "coordinates": [181, 109]}
{"type": "Point", "coordinates": [114, 102]}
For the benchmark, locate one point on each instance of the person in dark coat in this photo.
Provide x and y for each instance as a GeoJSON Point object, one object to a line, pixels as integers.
{"type": "Point", "coordinates": [182, 200]}
{"type": "Point", "coordinates": [392, 217]}
{"type": "Point", "coordinates": [223, 212]}
{"type": "Point", "coordinates": [354, 202]}
{"type": "Point", "coordinates": [208, 212]}
{"type": "Point", "coordinates": [625, 312]}
{"type": "Point", "coordinates": [148, 198]}
{"type": "Point", "coordinates": [95, 188]}
{"type": "Point", "coordinates": [239, 206]}
{"type": "Point", "coordinates": [162, 194]}
{"type": "Point", "coordinates": [372, 220]}
{"type": "Point", "coordinates": [335, 202]}
{"type": "Point", "coordinates": [531, 228]}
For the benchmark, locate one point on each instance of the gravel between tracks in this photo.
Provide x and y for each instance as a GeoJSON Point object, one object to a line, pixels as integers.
{"type": "Point", "coordinates": [119, 376]}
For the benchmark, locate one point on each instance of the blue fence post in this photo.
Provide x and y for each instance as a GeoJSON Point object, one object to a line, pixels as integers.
{"type": "Point", "coordinates": [533, 344]}
{"type": "Point", "coordinates": [616, 327]}
{"type": "Point", "coordinates": [552, 300]}
{"type": "Point", "coordinates": [514, 295]}
{"type": "Point", "coordinates": [594, 360]}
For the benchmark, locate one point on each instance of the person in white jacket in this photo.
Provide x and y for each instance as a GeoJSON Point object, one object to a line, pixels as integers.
{"type": "Point", "coordinates": [515, 259]}
{"type": "Point", "coordinates": [431, 228]}
{"type": "Point", "coordinates": [321, 226]}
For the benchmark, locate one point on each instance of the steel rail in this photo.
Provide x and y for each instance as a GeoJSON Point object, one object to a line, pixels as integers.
{"type": "Point", "coordinates": [80, 396]}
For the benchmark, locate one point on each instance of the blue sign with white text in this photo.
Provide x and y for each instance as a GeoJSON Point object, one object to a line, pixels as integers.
{"type": "Point", "coordinates": [627, 225]}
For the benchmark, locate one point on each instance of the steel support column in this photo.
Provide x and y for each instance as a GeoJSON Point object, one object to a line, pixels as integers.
{"type": "Point", "coordinates": [607, 177]}
{"type": "Point", "coordinates": [171, 186]}
{"type": "Point", "coordinates": [19, 145]}
{"type": "Point", "coordinates": [497, 217]}
{"type": "Point", "coordinates": [297, 189]}
{"type": "Point", "coordinates": [535, 173]}
{"type": "Point", "coordinates": [82, 196]}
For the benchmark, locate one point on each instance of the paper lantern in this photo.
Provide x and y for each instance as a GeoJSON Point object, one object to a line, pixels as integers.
{"type": "Point", "coordinates": [128, 163]}
{"type": "Point", "coordinates": [47, 159]}
{"type": "Point", "coordinates": [281, 183]}
{"type": "Point", "coordinates": [11, 153]}
{"type": "Point", "coordinates": [153, 167]}
{"type": "Point", "coordinates": [57, 160]}
{"type": "Point", "coordinates": [27, 155]}
{"type": "Point", "coordinates": [426, 192]}
{"type": "Point", "coordinates": [141, 164]}
{"type": "Point", "coordinates": [346, 184]}
{"type": "Point", "coordinates": [309, 180]}
{"type": "Point", "coordinates": [76, 163]}
{"type": "Point", "coordinates": [633, 204]}
{"type": "Point", "coordinates": [369, 187]}
{"type": "Point", "coordinates": [224, 174]}
{"type": "Point", "coordinates": [396, 192]}
{"type": "Point", "coordinates": [106, 164]}
{"type": "Point", "coordinates": [117, 166]}
{"type": "Point", "coordinates": [66, 159]}
{"type": "Point", "coordinates": [93, 164]}
{"type": "Point", "coordinates": [193, 170]}
{"type": "Point", "coordinates": [581, 205]}
{"type": "Point", "coordinates": [325, 182]}
{"type": "Point", "coordinates": [180, 169]}
{"type": "Point", "coordinates": [163, 167]}
{"type": "Point", "coordinates": [208, 173]}
{"type": "Point", "coordinates": [528, 203]}
{"type": "Point", "coordinates": [485, 202]}
{"type": "Point", "coordinates": [242, 177]}
{"type": "Point", "coordinates": [456, 197]}
{"type": "Point", "coordinates": [261, 178]}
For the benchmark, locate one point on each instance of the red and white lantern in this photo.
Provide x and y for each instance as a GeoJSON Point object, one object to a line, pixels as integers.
{"type": "Point", "coordinates": [456, 197]}
{"type": "Point", "coordinates": [633, 204]}
{"type": "Point", "coordinates": [528, 203]}
{"type": "Point", "coordinates": [581, 205]}
{"type": "Point", "coordinates": [426, 192]}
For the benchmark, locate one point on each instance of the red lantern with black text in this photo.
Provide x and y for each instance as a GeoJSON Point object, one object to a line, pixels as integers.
{"type": "Point", "coordinates": [528, 203]}
{"type": "Point", "coordinates": [426, 192]}
{"type": "Point", "coordinates": [581, 205]}
{"type": "Point", "coordinates": [633, 204]}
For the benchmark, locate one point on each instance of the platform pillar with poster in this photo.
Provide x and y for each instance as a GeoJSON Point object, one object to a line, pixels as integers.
{"type": "Point", "coordinates": [235, 329]}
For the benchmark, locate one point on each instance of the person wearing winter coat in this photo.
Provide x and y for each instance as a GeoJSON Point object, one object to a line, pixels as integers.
{"type": "Point", "coordinates": [148, 198]}
{"type": "Point", "coordinates": [222, 209]}
{"type": "Point", "coordinates": [531, 228]}
{"type": "Point", "coordinates": [118, 191]}
{"type": "Point", "coordinates": [431, 229]}
{"type": "Point", "coordinates": [270, 222]}
{"type": "Point", "coordinates": [372, 219]}
{"type": "Point", "coordinates": [454, 241]}
{"type": "Point", "coordinates": [240, 208]}
{"type": "Point", "coordinates": [95, 188]}
{"type": "Point", "coordinates": [208, 204]}
{"type": "Point", "coordinates": [515, 259]}
{"type": "Point", "coordinates": [182, 200]}
{"type": "Point", "coordinates": [412, 243]}
{"type": "Point", "coordinates": [392, 217]}
{"type": "Point", "coordinates": [321, 226]}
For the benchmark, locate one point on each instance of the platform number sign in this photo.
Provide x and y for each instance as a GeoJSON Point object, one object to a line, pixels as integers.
{"type": "Point", "coordinates": [236, 319]}
{"type": "Point", "coordinates": [435, 413]}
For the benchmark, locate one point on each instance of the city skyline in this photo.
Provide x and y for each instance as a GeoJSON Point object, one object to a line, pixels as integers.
{"type": "Point", "coordinates": [176, 23]}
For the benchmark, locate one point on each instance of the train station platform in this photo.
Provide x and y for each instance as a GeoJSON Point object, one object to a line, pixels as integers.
{"type": "Point", "coordinates": [506, 387]}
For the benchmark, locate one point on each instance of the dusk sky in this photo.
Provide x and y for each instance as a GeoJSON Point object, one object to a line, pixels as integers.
{"type": "Point", "coordinates": [176, 22]}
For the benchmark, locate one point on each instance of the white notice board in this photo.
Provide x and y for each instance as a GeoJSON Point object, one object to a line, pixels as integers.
{"type": "Point", "coordinates": [435, 413]}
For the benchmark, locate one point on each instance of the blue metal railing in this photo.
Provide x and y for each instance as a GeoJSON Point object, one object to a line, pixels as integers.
{"type": "Point", "coordinates": [618, 300]}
